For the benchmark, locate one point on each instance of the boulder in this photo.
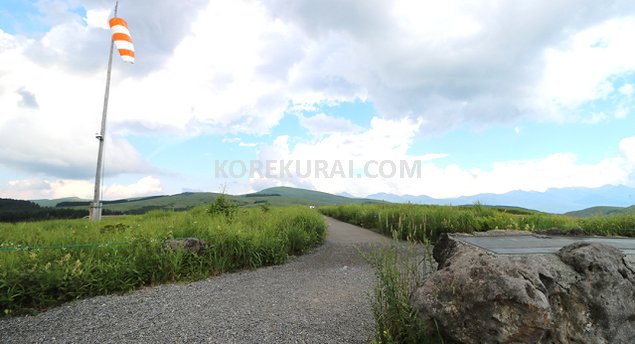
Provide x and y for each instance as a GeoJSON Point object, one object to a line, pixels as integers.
{"type": "Point", "coordinates": [583, 294]}
{"type": "Point", "coordinates": [189, 245]}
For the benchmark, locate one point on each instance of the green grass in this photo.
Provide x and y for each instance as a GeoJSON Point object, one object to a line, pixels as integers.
{"type": "Point", "coordinates": [423, 222]}
{"type": "Point", "coordinates": [400, 271]}
{"type": "Point", "coordinates": [602, 211]}
{"type": "Point", "coordinates": [400, 268]}
{"type": "Point", "coordinates": [276, 196]}
{"type": "Point", "coordinates": [127, 253]}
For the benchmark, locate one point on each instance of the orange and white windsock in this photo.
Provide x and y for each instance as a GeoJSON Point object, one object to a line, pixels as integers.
{"type": "Point", "coordinates": [123, 40]}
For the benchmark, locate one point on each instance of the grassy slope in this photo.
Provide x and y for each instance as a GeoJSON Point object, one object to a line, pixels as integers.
{"type": "Point", "coordinates": [122, 254]}
{"type": "Point", "coordinates": [288, 196]}
{"type": "Point", "coordinates": [306, 197]}
{"type": "Point", "coordinates": [54, 202]}
{"type": "Point", "coordinates": [602, 211]}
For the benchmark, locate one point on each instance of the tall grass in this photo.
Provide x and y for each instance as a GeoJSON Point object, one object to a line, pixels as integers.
{"type": "Point", "coordinates": [429, 221]}
{"type": "Point", "coordinates": [400, 268]}
{"type": "Point", "coordinates": [121, 254]}
{"type": "Point", "coordinates": [399, 271]}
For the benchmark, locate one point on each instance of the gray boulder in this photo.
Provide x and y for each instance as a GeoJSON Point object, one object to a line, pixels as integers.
{"type": "Point", "coordinates": [190, 245]}
{"type": "Point", "coordinates": [583, 294]}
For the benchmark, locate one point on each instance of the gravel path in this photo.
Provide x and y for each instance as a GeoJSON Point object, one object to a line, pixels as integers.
{"type": "Point", "coordinates": [321, 297]}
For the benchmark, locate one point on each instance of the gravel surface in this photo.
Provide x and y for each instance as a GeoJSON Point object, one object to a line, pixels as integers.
{"type": "Point", "coordinates": [321, 297]}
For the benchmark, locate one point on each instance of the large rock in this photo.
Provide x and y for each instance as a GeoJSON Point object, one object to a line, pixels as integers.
{"type": "Point", "coordinates": [583, 294]}
{"type": "Point", "coordinates": [189, 245]}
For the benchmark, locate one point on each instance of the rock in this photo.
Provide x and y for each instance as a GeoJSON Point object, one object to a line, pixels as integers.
{"type": "Point", "coordinates": [190, 245]}
{"type": "Point", "coordinates": [583, 294]}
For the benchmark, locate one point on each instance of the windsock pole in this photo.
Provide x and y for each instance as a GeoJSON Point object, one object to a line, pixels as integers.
{"type": "Point", "coordinates": [96, 206]}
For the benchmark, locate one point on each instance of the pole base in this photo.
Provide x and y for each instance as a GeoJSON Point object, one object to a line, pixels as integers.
{"type": "Point", "coordinates": [94, 212]}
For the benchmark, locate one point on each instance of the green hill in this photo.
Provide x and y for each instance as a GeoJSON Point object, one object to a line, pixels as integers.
{"type": "Point", "coordinates": [283, 195]}
{"type": "Point", "coordinates": [277, 196]}
{"type": "Point", "coordinates": [602, 211]}
{"type": "Point", "coordinates": [142, 205]}
{"type": "Point", "coordinates": [54, 202]}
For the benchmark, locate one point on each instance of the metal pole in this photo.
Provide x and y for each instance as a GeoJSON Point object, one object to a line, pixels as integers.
{"type": "Point", "coordinates": [96, 206]}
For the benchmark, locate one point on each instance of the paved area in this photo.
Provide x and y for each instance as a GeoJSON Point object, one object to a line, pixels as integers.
{"type": "Point", "coordinates": [540, 244]}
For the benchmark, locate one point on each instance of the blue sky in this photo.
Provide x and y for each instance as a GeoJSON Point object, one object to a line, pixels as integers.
{"type": "Point", "coordinates": [488, 98]}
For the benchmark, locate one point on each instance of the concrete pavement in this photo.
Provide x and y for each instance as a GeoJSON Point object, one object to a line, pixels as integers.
{"type": "Point", "coordinates": [539, 244]}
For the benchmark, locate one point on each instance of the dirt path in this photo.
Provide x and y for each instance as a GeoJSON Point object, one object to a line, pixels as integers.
{"type": "Point", "coordinates": [321, 297]}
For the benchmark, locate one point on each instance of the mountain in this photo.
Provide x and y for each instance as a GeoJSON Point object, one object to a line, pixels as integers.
{"type": "Point", "coordinates": [406, 199]}
{"type": "Point", "coordinates": [54, 202]}
{"type": "Point", "coordinates": [276, 196]}
{"type": "Point", "coordinates": [552, 201]}
{"type": "Point", "coordinates": [290, 196]}
{"type": "Point", "coordinates": [602, 211]}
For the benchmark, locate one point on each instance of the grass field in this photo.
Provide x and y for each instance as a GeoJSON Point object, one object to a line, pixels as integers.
{"type": "Point", "coordinates": [43, 264]}
{"type": "Point", "coordinates": [427, 222]}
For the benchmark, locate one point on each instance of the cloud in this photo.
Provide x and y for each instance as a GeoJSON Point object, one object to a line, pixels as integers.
{"type": "Point", "coordinates": [455, 62]}
{"type": "Point", "coordinates": [588, 65]}
{"type": "Point", "coordinates": [145, 186]}
{"type": "Point", "coordinates": [444, 64]}
{"type": "Point", "coordinates": [239, 141]}
{"type": "Point", "coordinates": [627, 147]}
{"type": "Point", "coordinates": [80, 44]}
{"type": "Point", "coordinates": [627, 90]}
{"type": "Point", "coordinates": [323, 124]}
{"type": "Point", "coordinates": [385, 139]}
{"type": "Point", "coordinates": [596, 118]}
{"type": "Point", "coordinates": [30, 146]}
{"type": "Point", "coordinates": [61, 188]}
{"type": "Point", "coordinates": [390, 141]}
{"type": "Point", "coordinates": [235, 67]}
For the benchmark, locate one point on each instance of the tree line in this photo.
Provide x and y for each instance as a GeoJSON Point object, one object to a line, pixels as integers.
{"type": "Point", "coordinates": [12, 210]}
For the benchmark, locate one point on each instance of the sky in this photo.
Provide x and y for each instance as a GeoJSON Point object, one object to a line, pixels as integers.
{"type": "Point", "coordinates": [480, 96]}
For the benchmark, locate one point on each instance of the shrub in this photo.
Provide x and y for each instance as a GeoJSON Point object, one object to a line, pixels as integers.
{"type": "Point", "coordinates": [222, 205]}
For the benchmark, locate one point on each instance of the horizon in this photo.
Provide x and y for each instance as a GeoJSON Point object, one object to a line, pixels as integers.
{"type": "Point", "coordinates": [485, 98]}
{"type": "Point", "coordinates": [343, 194]}
{"type": "Point", "coordinates": [550, 201]}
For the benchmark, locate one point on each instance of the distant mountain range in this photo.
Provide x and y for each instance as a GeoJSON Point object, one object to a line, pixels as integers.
{"type": "Point", "coordinates": [581, 202]}
{"type": "Point", "coordinates": [552, 201]}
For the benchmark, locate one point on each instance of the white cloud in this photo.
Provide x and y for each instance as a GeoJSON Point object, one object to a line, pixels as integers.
{"type": "Point", "coordinates": [621, 112]}
{"type": "Point", "coordinates": [580, 70]}
{"type": "Point", "coordinates": [391, 140]}
{"type": "Point", "coordinates": [145, 186]}
{"type": "Point", "coordinates": [98, 18]}
{"type": "Point", "coordinates": [597, 118]}
{"type": "Point", "coordinates": [61, 188]}
{"type": "Point", "coordinates": [239, 141]}
{"type": "Point", "coordinates": [627, 146]}
{"type": "Point", "coordinates": [247, 144]}
{"type": "Point", "coordinates": [235, 66]}
{"type": "Point", "coordinates": [323, 124]}
{"type": "Point", "coordinates": [460, 62]}
{"type": "Point", "coordinates": [627, 90]}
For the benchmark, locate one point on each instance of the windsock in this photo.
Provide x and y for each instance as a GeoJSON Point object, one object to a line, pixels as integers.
{"type": "Point", "coordinates": [123, 40]}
